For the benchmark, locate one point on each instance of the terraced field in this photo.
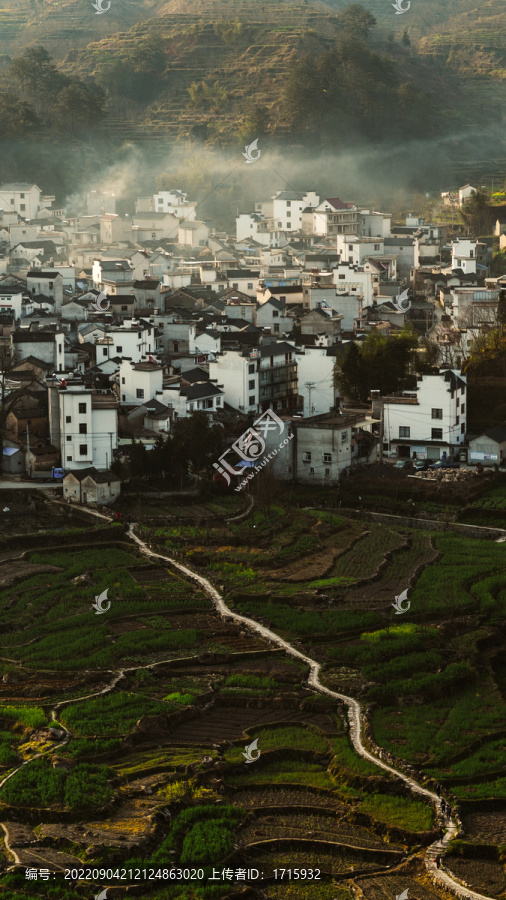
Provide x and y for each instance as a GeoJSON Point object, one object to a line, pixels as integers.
{"type": "Point", "coordinates": [134, 722]}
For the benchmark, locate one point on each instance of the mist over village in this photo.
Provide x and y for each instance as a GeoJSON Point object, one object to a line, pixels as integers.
{"type": "Point", "coordinates": [253, 467]}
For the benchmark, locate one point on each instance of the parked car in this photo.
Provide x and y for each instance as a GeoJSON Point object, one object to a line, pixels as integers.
{"type": "Point", "coordinates": [403, 464]}
{"type": "Point", "coordinates": [422, 465]}
{"type": "Point", "coordinates": [445, 464]}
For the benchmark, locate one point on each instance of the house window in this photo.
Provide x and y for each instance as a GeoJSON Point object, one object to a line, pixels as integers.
{"type": "Point", "coordinates": [437, 413]}
{"type": "Point", "coordinates": [404, 431]}
{"type": "Point", "coordinates": [463, 408]}
{"type": "Point", "coordinates": [344, 436]}
{"type": "Point", "coordinates": [122, 381]}
{"type": "Point", "coordinates": [50, 284]}
{"type": "Point", "coordinates": [311, 471]}
{"type": "Point", "coordinates": [462, 428]}
{"type": "Point", "coordinates": [123, 397]}
{"type": "Point", "coordinates": [327, 457]}
{"type": "Point", "coordinates": [235, 284]}
{"type": "Point", "coordinates": [208, 404]}
{"type": "Point", "coordinates": [82, 407]}
{"type": "Point", "coordinates": [176, 346]}
{"type": "Point", "coordinates": [276, 329]}
{"type": "Point", "coordinates": [192, 406]}
{"type": "Point", "coordinates": [251, 369]}
{"type": "Point", "coordinates": [69, 437]}
{"type": "Point", "coordinates": [288, 202]}
{"type": "Point", "coordinates": [83, 449]}
{"type": "Point", "coordinates": [275, 314]}
{"type": "Point", "coordinates": [104, 351]}
{"type": "Point", "coordinates": [251, 401]}
{"type": "Point", "coordinates": [139, 393]}
{"type": "Point", "coordinates": [153, 235]}
{"type": "Point", "coordinates": [457, 420]}
{"type": "Point", "coordinates": [83, 428]}
{"type": "Point", "coordinates": [437, 434]}
{"type": "Point", "coordinates": [341, 277]}
{"type": "Point", "coordinates": [69, 459]}
{"type": "Point", "coordinates": [68, 419]}
{"type": "Point", "coordinates": [251, 385]}
{"type": "Point", "coordinates": [376, 246]}
{"type": "Point", "coordinates": [119, 349]}
{"type": "Point", "coordinates": [327, 471]}
{"type": "Point", "coordinates": [22, 196]}
{"type": "Point", "coordinates": [283, 299]}
{"type": "Point", "coordinates": [306, 457]}
{"type": "Point", "coordinates": [22, 207]}
{"type": "Point", "coordinates": [218, 401]}
{"type": "Point", "coordinates": [462, 392]}
{"type": "Point", "coordinates": [350, 246]}
{"type": "Point", "coordinates": [250, 285]}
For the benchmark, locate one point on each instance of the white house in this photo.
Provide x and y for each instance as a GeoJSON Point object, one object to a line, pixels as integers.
{"type": "Point", "coordinates": [335, 216]}
{"type": "Point", "coordinates": [133, 339]}
{"type": "Point", "coordinates": [193, 234]}
{"type": "Point", "coordinates": [354, 280]}
{"type": "Point", "coordinates": [139, 381]}
{"type": "Point", "coordinates": [83, 424]}
{"type": "Point", "coordinates": [285, 208]}
{"type": "Point", "coordinates": [354, 250]}
{"type": "Point", "coordinates": [469, 255]}
{"type": "Point", "coordinates": [273, 315]}
{"type": "Point", "coordinates": [48, 346]}
{"type": "Point", "coordinates": [465, 193]}
{"type": "Point", "coordinates": [201, 396]}
{"type": "Point", "coordinates": [316, 380]}
{"type": "Point", "coordinates": [489, 448]}
{"type": "Point", "coordinates": [48, 283]}
{"type": "Point", "coordinates": [325, 446]}
{"type": "Point", "coordinates": [25, 198]}
{"type": "Point", "coordinates": [176, 203]}
{"type": "Point", "coordinates": [11, 298]}
{"type": "Point", "coordinates": [430, 422]}
{"type": "Point", "coordinates": [237, 374]}
{"type": "Point", "coordinates": [154, 226]}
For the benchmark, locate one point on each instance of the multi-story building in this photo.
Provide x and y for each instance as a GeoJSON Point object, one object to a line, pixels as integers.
{"type": "Point", "coordinates": [138, 382]}
{"type": "Point", "coordinates": [326, 445]}
{"type": "Point", "coordinates": [83, 424]}
{"type": "Point", "coordinates": [285, 208]}
{"type": "Point", "coordinates": [26, 199]}
{"type": "Point", "coordinates": [278, 378]}
{"type": "Point", "coordinates": [470, 256]}
{"type": "Point", "coordinates": [429, 422]}
{"type": "Point", "coordinates": [47, 345]}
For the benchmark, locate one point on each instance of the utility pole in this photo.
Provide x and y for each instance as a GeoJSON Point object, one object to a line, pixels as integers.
{"type": "Point", "coordinates": [28, 452]}
{"type": "Point", "coordinates": [310, 386]}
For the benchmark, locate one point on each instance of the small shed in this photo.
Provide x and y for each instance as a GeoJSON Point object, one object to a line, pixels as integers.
{"type": "Point", "coordinates": [488, 448]}
{"type": "Point", "coordinates": [91, 486]}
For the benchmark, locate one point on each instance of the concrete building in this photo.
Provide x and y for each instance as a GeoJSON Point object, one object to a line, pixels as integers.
{"type": "Point", "coordinates": [429, 422]}
{"type": "Point", "coordinates": [83, 424]}
{"type": "Point", "coordinates": [325, 446]}
{"type": "Point", "coordinates": [488, 448]}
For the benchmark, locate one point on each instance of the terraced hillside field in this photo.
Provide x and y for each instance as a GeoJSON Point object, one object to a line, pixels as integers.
{"type": "Point", "coordinates": [134, 722]}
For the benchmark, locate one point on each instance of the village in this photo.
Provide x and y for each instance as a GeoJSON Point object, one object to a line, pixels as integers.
{"type": "Point", "coordinates": [114, 327]}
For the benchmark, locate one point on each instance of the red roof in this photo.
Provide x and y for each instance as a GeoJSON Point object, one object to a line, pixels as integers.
{"type": "Point", "coordinates": [339, 204]}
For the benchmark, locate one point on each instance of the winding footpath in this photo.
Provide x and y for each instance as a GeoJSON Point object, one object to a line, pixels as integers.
{"type": "Point", "coordinates": [354, 713]}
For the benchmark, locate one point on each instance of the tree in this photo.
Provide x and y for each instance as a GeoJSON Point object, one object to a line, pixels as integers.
{"type": "Point", "coordinates": [356, 20]}
{"type": "Point", "coordinates": [197, 443]}
{"type": "Point", "coordinates": [477, 214]}
{"type": "Point", "coordinates": [405, 38]}
{"type": "Point", "coordinates": [381, 363]}
{"type": "Point", "coordinates": [36, 73]}
{"type": "Point", "coordinates": [17, 117]}
{"type": "Point", "coordinates": [80, 103]}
